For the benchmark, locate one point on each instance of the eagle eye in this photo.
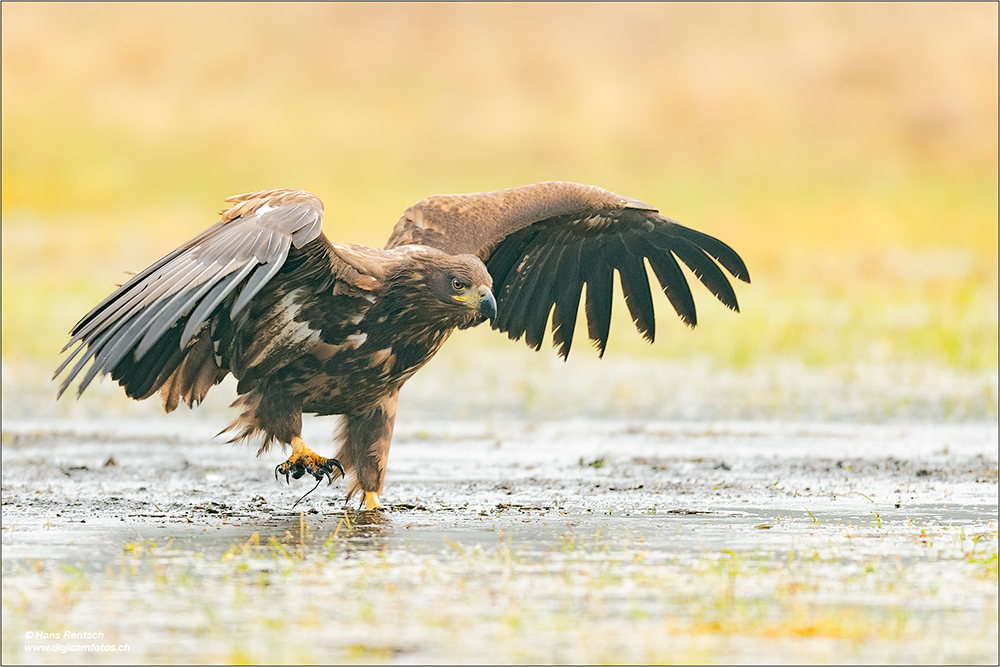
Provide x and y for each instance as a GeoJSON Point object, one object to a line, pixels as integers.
{"type": "Point", "coordinates": [457, 284]}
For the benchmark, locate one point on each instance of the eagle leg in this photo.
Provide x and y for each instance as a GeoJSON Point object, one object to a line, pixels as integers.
{"type": "Point", "coordinates": [304, 460]}
{"type": "Point", "coordinates": [364, 449]}
{"type": "Point", "coordinates": [370, 500]}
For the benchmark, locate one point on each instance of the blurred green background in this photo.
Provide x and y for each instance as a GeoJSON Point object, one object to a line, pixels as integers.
{"type": "Point", "coordinates": [847, 151]}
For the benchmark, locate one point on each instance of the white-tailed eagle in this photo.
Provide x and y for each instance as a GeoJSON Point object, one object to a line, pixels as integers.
{"type": "Point", "coordinates": [306, 325]}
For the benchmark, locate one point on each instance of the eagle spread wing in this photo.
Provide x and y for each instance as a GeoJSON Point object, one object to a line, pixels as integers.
{"type": "Point", "coordinates": [543, 242]}
{"type": "Point", "coordinates": [251, 241]}
{"type": "Point", "coordinates": [221, 269]}
{"type": "Point", "coordinates": [306, 325]}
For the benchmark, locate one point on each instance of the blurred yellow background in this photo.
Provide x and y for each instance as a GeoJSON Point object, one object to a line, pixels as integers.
{"type": "Point", "coordinates": [847, 151]}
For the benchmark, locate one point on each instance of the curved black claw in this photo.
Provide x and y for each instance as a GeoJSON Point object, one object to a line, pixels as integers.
{"type": "Point", "coordinates": [317, 467]}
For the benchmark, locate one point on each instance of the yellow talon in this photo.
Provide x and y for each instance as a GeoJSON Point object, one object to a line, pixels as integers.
{"type": "Point", "coordinates": [371, 500]}
{"type": "Point", "coordinates": [305, 461]}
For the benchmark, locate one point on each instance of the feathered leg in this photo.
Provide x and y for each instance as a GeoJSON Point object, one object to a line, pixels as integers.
{"type": "Point", "coordinates": [279, 416]}
{"type": "Point", "coordinates": [365, 449]}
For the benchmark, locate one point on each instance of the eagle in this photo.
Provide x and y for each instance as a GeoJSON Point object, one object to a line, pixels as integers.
{"type": "Point", "coordinates": [310, 326]}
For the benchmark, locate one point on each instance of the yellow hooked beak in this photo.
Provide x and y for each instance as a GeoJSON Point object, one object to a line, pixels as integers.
{"type": "Point", "coordinates": [480, 298]}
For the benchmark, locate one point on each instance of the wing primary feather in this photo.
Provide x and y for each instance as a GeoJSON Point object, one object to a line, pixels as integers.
{"type": "Point", "coordinates": [674, 285]}
{"type": "Point", "coordinates": [103, 343]}
{"type": "Point", "coordinates": [66, 382]}
{"type": "Point", "coordinates": [707, 271]}
{"type": "Point", "coordinates": [541, 297]}
{"type": "Point", "coordinates": [503, 258]}
{"type": "Point", "coordinates": [600, 288]}
{"type": "Point", "coordinates": [261, 275]}
{"type": "Point", "coordinates": [128, 286]}
{"type": "Point", "coordinates": [142, 295]}
{"type": "Point", "coordinates": [179, 304]}
{"type": "Point", "coordinates": [520, 299]}
{"type": "Point", "coordinates": [174, 279]}
{"type": "Point", "coordinates": [212, 300]}
{"type": "Point", "coordinates": [92, 349]}
{"type": "Point", "coordinates": [147, 295]}
{"type": "Point", "coordinates": [534, 296]}
{"type": "Point", "coordinates": [99, 348]}
{"type": "Point", "coordinates": [635, 287]}
{"type": "Point", "coordinates": [508, 297]}
{"type": "Point", "coordinates": [567, 299]}
{"type": "Point", "coordinates": [132, 334]}
{"type": "Point", "coordinates": [721, 252]}
{"type": "Point", "coordinates": [68, 359]}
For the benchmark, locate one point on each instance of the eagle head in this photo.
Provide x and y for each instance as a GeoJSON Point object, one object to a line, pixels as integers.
{"type": "Point", "coordinates": [452, 290]}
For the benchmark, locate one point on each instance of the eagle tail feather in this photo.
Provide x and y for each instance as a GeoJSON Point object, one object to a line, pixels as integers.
{"type": "Point", "coordinates": [194, 376]}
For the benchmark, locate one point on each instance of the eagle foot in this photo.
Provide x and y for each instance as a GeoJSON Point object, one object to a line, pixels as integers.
{"type": "Point", "coordinates": [370, 500]}
{"type": "Point", "coordinates": [305, 461]}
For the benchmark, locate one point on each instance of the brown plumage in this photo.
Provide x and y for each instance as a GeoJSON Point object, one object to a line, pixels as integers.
{"type": "Point", "coordinates": [306, 325]}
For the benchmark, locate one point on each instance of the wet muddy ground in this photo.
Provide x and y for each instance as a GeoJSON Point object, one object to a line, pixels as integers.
{"type": "Point", "coordinates": [574, 541]}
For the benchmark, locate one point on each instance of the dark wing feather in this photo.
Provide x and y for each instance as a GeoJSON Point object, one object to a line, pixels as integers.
{"type": "Point", "coordinates": [542, 299]}
{"type": "Point", "coordinates": [566, 295]}
{"type": "Point", "coordinates": [543, 242]}
{"type": "Point", "coordinates": [231, 260]}
{"type": "Point", "coordinates": [635, 284]}
{"type": "Point", "coordinates": [674, 285]}
{"type": "Point", "coordinates": [599, 278]}
{"type": "Point", "coordinates": [721, 252]}
{"type": "Point", "coordinates": [533, 274]}
{"type": "Point", "coordinates": [707, 271]}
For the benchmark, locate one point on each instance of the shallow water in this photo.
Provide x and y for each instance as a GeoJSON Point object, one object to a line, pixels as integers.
{"type": "Point", "coordinates": [895, 521]}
